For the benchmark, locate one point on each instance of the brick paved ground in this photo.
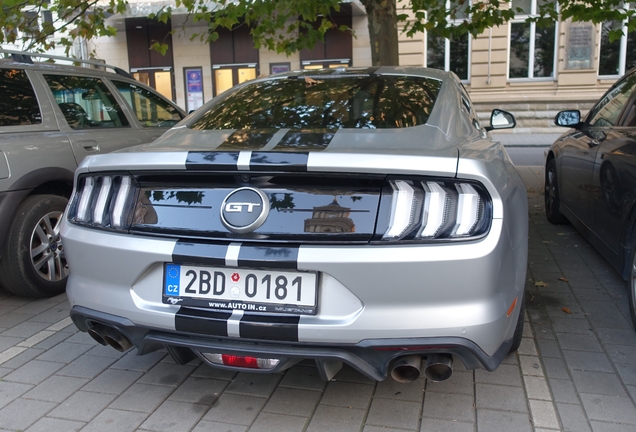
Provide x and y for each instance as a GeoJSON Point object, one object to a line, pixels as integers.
{"type": "Point", "coordinates": [575, 371]}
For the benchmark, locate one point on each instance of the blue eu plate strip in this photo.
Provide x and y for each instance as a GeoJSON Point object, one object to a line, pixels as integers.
{"type": "Point", "coordinates": [173, 272]}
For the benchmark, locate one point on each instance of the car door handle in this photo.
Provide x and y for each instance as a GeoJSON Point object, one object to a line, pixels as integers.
{"type": "Point", "coordinates": [90, 145]}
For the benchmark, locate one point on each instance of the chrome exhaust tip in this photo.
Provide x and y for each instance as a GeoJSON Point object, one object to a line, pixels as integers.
{"type": "Point", "coordinates": [96, 332]}
{"type": "Point", "coordinates": [407, 368]}
{"type": "Point", "coordinates": [438, 367]}
{"type": "Point", "coordinates": [115, 339]}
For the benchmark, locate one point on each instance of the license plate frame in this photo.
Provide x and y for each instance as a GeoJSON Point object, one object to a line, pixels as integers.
{"type": "Point", "coordinates": [203, 289]}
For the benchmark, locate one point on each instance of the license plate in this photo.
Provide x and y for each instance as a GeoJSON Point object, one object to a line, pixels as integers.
{"type": "Point", "coordinates": [240, 289]}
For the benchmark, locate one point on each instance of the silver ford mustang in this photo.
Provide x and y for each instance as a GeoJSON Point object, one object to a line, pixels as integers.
{"type": "Point", "coordinates": [358, 216]}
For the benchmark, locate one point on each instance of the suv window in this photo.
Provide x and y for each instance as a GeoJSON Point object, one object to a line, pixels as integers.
{"type": "Point", "coordinates": [18, 104]}
{"type": "Point", "coordinates": [86, 102]}
{"type": "Point", "coordinates": [150, 109]}
{"type": "Point", "coordinates": [607, 111]}
{"type": "Point", "coordinates": [359, 101]}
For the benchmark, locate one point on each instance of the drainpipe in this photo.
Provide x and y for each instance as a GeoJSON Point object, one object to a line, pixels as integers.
{"type": "Point", "coordinates": [489, 53]}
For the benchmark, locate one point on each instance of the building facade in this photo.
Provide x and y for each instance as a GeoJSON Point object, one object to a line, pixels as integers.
{"type": "Point", "coordinates": [531, 71]}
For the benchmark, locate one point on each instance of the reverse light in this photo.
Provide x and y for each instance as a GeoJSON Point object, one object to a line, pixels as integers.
{"type": "Point", "coordinates": [436, 210]}
{"type": "Point", "coordinates": [241, 361]}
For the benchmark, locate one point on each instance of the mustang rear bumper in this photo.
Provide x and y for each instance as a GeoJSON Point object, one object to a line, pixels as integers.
{"type": "Point", "coordinates": [372, 357]}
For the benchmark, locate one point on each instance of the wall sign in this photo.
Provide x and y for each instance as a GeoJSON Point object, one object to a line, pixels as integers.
{"type": "Point", "coordinates": [194, 87]}
{"type": "Point", "coordinates": [579, 50]}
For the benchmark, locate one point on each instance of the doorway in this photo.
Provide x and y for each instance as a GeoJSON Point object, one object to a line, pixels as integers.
{"type": "Point", "coordinates": [159, 79]}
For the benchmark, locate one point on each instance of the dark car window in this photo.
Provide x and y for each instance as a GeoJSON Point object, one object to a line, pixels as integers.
{"type": "Point", "coordinates": [150, 109]}
{"type": "Point", "coordinates": [86, 102]}
{"type": "Point", "coordinates": [608, 110]}
{"type": "Point", "coordinates": [18, 104]}
{"type": "Point", "coordinates": [361, 101]}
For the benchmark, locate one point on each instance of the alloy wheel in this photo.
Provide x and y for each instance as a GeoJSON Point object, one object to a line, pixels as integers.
{"type": "Point", "coordinates": [47, 253]}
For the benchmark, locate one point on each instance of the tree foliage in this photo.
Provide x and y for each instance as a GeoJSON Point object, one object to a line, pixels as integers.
{"type": "Point", "coordinates": [287, 26]}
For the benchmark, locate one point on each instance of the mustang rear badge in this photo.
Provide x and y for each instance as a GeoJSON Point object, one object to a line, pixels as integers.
{"type": "Point", "coordinates": [244, 210]}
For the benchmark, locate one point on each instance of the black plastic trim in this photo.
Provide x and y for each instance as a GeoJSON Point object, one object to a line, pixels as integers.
{"type": "Point", "coordinates": [209, 160]}
{"type": "Point", "coordinates": [212, 254]}
{"type": "Point", "coordinates": [265, 256]}
{"type": "Point", "coordinates": [288, 161]}
{"type": "Point", "coordinates": [208, 322]}
{"type": "Point", "coordinates": [269, 327]}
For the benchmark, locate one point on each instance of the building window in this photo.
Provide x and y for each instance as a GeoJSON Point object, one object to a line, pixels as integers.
{"type": "Point", "coordinates": [618, 56]}
{"type": "Point", "coordinates": [532, 48]}
{"type": "Point", "coordinates": [450, 55]}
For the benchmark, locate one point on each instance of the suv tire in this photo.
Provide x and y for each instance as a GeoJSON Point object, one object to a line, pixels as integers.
{"type": "Point", "coordinates": [33, 262]}
{"type": "Point", "coordinates": [552, 195]}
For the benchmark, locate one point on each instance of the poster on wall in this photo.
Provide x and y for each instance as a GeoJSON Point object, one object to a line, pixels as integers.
{"type": "Point", "coordinates": [580, 45]}
{"type": "Point", "coordinates": [194, 88]}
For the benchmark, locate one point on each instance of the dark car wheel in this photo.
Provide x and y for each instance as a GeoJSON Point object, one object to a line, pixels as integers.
{"type": "Point", "coordinates": [33, 262]}
{"type": "Point", "coordinates": [516, 339]}
{"type": "Point", "coordinates": [552, 197]}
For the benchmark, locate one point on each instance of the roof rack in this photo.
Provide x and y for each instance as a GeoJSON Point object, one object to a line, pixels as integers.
{"type": "Point", "coordinates": [25, 57]}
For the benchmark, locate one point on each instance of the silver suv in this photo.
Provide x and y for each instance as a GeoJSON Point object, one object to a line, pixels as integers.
{"type": "Point", "coordinates": [51, 117]}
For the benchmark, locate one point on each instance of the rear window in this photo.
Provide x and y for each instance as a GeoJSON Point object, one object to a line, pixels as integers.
{"type": "Point", "coordinates": [309, 102]}
{"type": "Point", "coordinates": [18, 104]}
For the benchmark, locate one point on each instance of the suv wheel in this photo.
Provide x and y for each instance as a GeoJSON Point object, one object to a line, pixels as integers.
{"type": "Point", "coordinates": [552, 196]}
{"type": "Point", "coordinates": [33, 262]}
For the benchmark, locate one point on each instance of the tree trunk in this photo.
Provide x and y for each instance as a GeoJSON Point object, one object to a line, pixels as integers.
{"type": "Point", "coordinates": [382, 16]}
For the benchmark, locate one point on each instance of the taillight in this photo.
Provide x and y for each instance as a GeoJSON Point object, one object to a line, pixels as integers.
{"type": "Point", "coordinates": [241, 361]}
{"type": "Point", "coordinates": [102, 201]}
{"type": "Point", "coordinates": [430, 210]}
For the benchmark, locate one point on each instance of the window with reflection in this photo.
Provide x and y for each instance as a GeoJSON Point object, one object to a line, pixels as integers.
{"type": "Point", "coordinates": [450, 55]}
{"type": "Point", "coordinates": [86, 102]}
{"type": "Point", "coordinates": [326, 101]}
{"type": "Point", "coordinates": [608, 109]}
{"type": "Point", "coordinates": [619, 55]}
{"type": "Point", "coordinates": [150, 109]}
{"type": "Point", "coordinates": [18, 104]}
{"type": "Point", "coordinates": [532, 47]}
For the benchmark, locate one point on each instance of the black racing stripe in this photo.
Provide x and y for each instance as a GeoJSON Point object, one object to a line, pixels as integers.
{"type": "Point", "coordinates": [201, 321]}
{"type": "Point", "coordinates": [280, 257]}
{"type": "Point", "coordinates": [199, 253]}
{"type": "Point", "coordinates": [248, 139]}
{"type": "Point", "coordinates": [305, 140]}
{"type": "Point", "coordinates": [270, 327]}
{"type": "Point", "coordinates": [200, 160]}
{"type": "Point", "coordinates": [285, 161]}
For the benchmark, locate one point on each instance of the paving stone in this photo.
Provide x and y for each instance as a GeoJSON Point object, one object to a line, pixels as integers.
{"type": "Point", "coordinates": [54, 340]}
{"type": "Point", "coordinates": [500, 421]}
{"type": "Point", "coordinates": [174, 416]}
{"type": "Point", "coordinates": [573, 418]}
{"type": "Point", "coordinates": [293, 401]}
{"type": "Point", "coordinates": [25, 329]}
{"type": "Point", "coordinates": [56, 388]}
{"type": "Point", "coordinates": [543, 331]}
{"type": "Point", "coordinates": [537, 388]}
{"type": "Point", "coordinates": [501, 397]}
{"type": "Point", "coordinates": [168, 374]}
{"type": "Point", "coordinates": [627, 373]}
{"type": "Point", "coordinates": [563, 391]}
{"type": "Point", "coordinates": [303, 377]}
{"type": "Point", "coordinates": [52, 315]}
{"type": "Point", "coordinates": [438, 425]}
{"type": "Point", "coordinates": [548, 348]}
{"type": "Point", "coordinates": [12, 319]}
{"type": "Point", "coordinates": [369, 428]}
{"type": "Point", "coordinates": [198, 390]}
{"type": "Point", "coordinates": [84, 338]}
{"type": "Point", "coordinates": [82, 406]}
{"type": "Point", "coordinates": [598, 383]}
{"type": "Point", "coordinates": [543, 414]}
{"type": "Point", "coordinates": [527, 346]}
{"type": "Point", "coordinates": [34, 372]}
{"type": "Point", "coordinates": [625, 354]}
{"type": "Point", "coordinates": [207, 426]}
{"type": "Point", "coordinates": [504, 375]}
{"type": "Point", "coordinates": [609, 408]}
{"type": "Point", "coordinates": [412, 391]}
{"type": "Point", "coordinates": [268, 422]}
{"type": "Point", "coordinates": [579, 342]}
{"type": "Point", "coordinates": [595, 362]}
{"type": "Point", "coordinates": [531, 365]}
{"type": "Point", "coordinates": [240, 409]}
{"type": "Point", "coordinates": [113, 381]}
{"type": "Point", "coordinates": [142, 397]}
{"type": "Point", "coordinates": [22, 358]}
{"type": "Point", "coordinates": [617, 337]}
{"type": "Point", "coordinates": [254, 384]}
{"type": "Point", "coordinates": [333, 418]}
{"type": "Point", "coordinates": [393, 413]}
{"type": "Point", "coordinates": [131, 361]}
{"type": "Point", "coordinates": [206, 371]}
{"type": "Point", "coordinates": [86, 366]}
{"type": "Point", "coordinates": [459, 382]}
{"type": "Point", "coordinates": [571, 325]}
{"type": "Point", "coordinates": [610, 427]}
{"type": "Point", "coordinates": [348, 394]}
{"type": "Point", "coordinates": [455, 407]}
{"type": "Point", "coordinates": [48, 424]}
{"type": "Point", "coordinates": [64, 352]}
{"type": "Point", "coordinates": [11, 391]}
{"type": "Point", "coordinates": [22, 413]}
{"type": "Point", "coordinates": [115, 421]}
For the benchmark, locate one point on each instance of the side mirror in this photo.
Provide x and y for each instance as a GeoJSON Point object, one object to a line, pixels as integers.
{"type": "Point", "coordinates": [569, 118]}
{"type": "Point", "coordinates": [500, 119]}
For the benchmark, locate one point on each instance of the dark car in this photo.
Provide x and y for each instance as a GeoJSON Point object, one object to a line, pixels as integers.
{"type": "Point", "coordinates": [590, 177]}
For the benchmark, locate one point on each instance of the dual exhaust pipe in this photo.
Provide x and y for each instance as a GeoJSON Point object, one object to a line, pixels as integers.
{"type": "Point", "coordinates": [438, 367]}
{"type": "Point", "coordinates": [106, 335]}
